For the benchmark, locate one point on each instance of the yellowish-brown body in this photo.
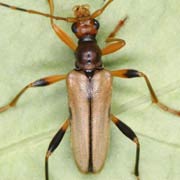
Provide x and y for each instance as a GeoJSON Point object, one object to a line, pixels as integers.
{"type": "Point", "coordinates": [89, 104]}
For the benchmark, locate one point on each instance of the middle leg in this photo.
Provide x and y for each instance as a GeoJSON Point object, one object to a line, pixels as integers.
{"type": "Point", "coordinates": [131, 73]}
{"type": "Point", "coordinates": [38, 83]}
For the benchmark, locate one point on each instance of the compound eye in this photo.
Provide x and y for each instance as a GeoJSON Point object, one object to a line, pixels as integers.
{"type": "Point", "coordinates": [74, 28]}
{"type": "Point", "coordinates": [96, 24]}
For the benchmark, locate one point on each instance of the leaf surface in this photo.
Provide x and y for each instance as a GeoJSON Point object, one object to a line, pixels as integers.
{"type": "Point", "coordinates": [30, 50]}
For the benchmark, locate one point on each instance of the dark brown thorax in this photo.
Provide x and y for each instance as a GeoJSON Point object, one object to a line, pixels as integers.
{"type": "Point", "coordinates": [88, 54]}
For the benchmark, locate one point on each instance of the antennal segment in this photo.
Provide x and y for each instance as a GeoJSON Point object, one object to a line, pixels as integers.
{"type": "Point", "coordinates": [30, 11]}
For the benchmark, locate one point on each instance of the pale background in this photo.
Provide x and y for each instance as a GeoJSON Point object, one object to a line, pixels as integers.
{"type": "Point", "coordinates": [29, 50]}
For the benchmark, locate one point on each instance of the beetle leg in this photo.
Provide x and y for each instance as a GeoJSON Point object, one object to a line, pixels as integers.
{"type": "Point", "coordinates": [116, 43]}
{"type": "Point", "coordinates": [131, 135]}
{"type": "Point", "coordinates": [110, 48]}
{"type": "Point", "coordinates": [117, 29]}
{"type": "Point", "coordinates": [60, 33]}
{"type": "Point", "coordinates": [131, 73]}
{"type": "Point", "coordinates": [41, 82]}
{"type": "Point", "coordinates": [53, 145]}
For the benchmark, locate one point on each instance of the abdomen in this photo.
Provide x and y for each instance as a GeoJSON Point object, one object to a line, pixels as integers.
{"type": "Point", "coordinates": [89, 103]}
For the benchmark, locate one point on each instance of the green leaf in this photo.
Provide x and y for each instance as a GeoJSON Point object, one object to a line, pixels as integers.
{"type": "Point", "coordinates": [29, 50]}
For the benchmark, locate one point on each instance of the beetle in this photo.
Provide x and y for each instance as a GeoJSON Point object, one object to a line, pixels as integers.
{"type": "Point", "coordinates": [89, 87]}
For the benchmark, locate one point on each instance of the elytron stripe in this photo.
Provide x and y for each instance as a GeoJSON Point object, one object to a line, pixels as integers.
{"type": "Point", "coordinates": [90, 165]}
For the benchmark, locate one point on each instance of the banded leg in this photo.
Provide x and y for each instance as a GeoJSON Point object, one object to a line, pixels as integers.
{"type": "Point", "coordinates": [131, 73]}
{"type": "Point", "coordinates": [54, 144]}
{"type": "Point", "coordinates": [131, 135]}
{"type": "Point", "coordinates": [116, 43]}
{"type": "Point", "coordinates": [41, 82]}
{"type": "Point", "coordinates": [60, 33]}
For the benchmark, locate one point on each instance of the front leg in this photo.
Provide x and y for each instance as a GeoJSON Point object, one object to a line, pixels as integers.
{"type": "Point", "coordinates": [60, 33]}
{"type": "Point", "coordinates": [131, 73]}
{"type": "Point", "coordinates": [114, 43]}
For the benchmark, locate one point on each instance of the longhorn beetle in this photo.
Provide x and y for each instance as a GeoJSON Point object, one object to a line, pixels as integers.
{"type": "Point", "coordinates": [89, 87]}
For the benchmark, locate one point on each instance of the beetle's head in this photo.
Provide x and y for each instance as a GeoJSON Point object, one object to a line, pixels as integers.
{"type": "Point", "coordinates": [81, 11]}
{"type": "Point", "coordinates": [85, 25]}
